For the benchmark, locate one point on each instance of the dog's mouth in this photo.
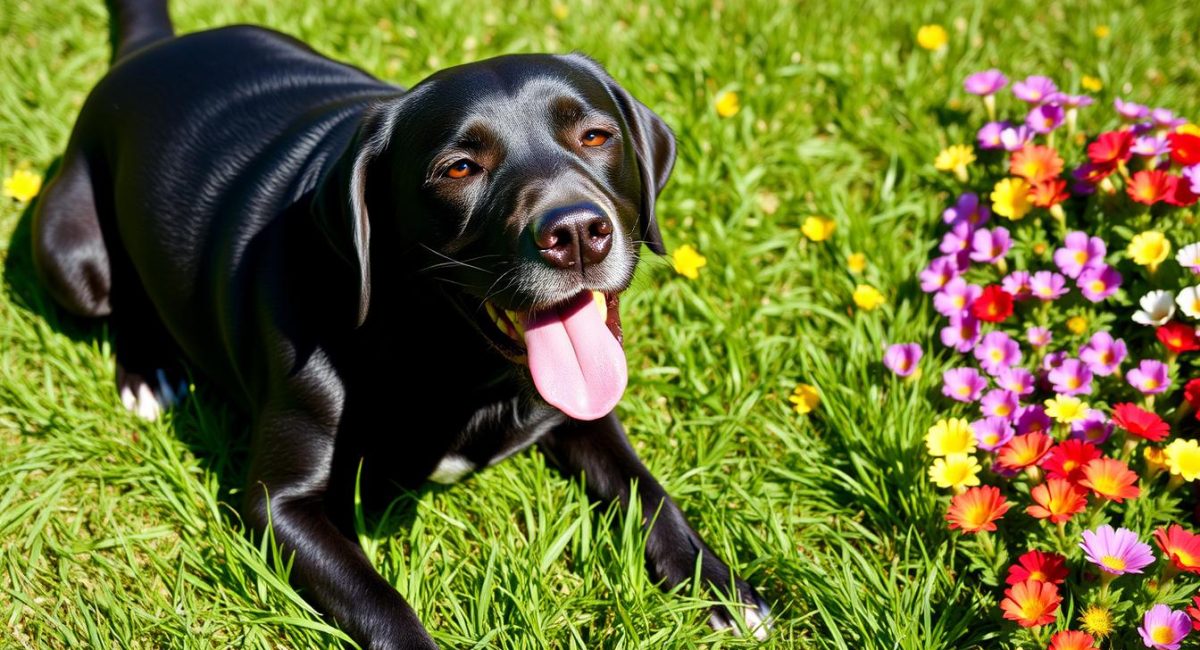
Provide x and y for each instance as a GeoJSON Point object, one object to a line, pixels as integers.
{"type": "Point", "coordinates": [573, 350]}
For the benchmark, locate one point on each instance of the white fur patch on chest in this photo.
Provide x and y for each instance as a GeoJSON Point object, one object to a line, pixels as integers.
{"type": "Point", "coordinates": [451, 470]}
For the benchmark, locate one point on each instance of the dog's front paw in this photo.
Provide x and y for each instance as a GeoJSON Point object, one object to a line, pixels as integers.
{"type": "Point", "coordinates": [148, 397]}
{"type": "Point", "coordinates": [753, 617]}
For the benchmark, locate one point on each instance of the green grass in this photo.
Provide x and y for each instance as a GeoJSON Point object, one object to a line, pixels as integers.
{"type": "Point", "coordinates": [118, 533]}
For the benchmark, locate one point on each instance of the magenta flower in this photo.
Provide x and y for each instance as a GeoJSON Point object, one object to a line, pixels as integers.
{"type": "Point", "coordinates": [988, 136]}
{"type": "Point", "coordinates": [940, 271]}
{"type": "Point", "coordinates": [1072, 377]}
{"type": "Point", "coordinates": [1094, 428]}
{"type": "Point", "coordinates": [999, 403]}
{"type": "Point", "coordinates": [1072, 101]}
{"type": "Point", "coordinates": [992, 433]}
{"type": "Point", "coordinates": [1103, 353]}
{"type": "Point", "coordinates": [962, 333]}
{"type": "Point", "coordinates": [1164, 628]}
{"type": "Point", "coordinates": [1038, 337]}
{"type": "Point", "coordinates": [1079, 252]}
{"type": "Point", "coordinates": [1016, 284]}
{"type": "Point", "coordinates": [1165, 119]}
{"type": "Point", "coordinates": [963, 384]}
{"type": "Point", "coordinates": [1150, 377]}
{"type": "Point", "coordinates": [956, 297]}
{"type": "Point", "coordinates": [1192, 174]}
{"type": "Point", "coordinates": [1045, 118]}
{"type": "Point", "coordinates": [957, 238]}
{"type": "Point", "coordinates": [1149, 146]}
{"type": "Point", "coordinates": [1053, 360]}
{"type": "Point", "coordinates": [1035, 89]}
{"type": "Point", "coordinates": [1047, 285]}
{"type": "Point", "coordinates": [1015, 137]}
{"type": "Point", "coordinates": [1032, 418]}
{"type": "Point", "coordinates": [988, 82]}
{"type": "Point", "coordinates": [996, 352]}
{"type": "Point", "coordinates": [1116, 551]}
{"type": "Point", "coordinates": [1129, 111]}
{"type": "Point", "coordinates": [967, 208]}
{"type": "Point", "coordinates": [902, 358]}
{"type": "Point", "coordinates": [1017, 380]}
{"type": "Point", "coordinates": [990, 246]}
{"type": "Point", "coordinates": [1099, 282]}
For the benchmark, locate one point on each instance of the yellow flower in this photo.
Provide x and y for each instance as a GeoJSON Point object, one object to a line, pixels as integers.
{"type": "Point", "coordinates": [867, 297]}
{"type": "Point", "coordinates": [1149, 249]}
{"type": "Point", "coordinates": [1066, 409]}
{"type": "Point", "coordinates": [932, 37]}
{"type": "Point", "coordinates": [950, 436]}
{"type": "Point", "coordinates": [727, 103]}
{"type": "Point", "coordinates": [1102, 31]}
{"type": "Point", "coordinates": [955, 158]}
{"type": "Point", "coordinates": [806, 398]}
{"type": "Point", "coordinates": [23, 185]}
{"type": "Point", "coordinates": [1097, 621]}
{"type": "Point", "coordinates": [1156, 458]}
{"type": "Point", "coordinates": [818, 228]}
{"type": "Point", "coordinates": [1188, 129]}
{"type": "Point", "coordinates": [856, 262]}
{"type": "Point", "coordinates": [687, 261]}
{"type": "Point", "coordinates": [1183, 458]}
{"type": "Point", "coordinates": [560, 10]}
{"type": "Point", "coordinates": [1092, 84]}
{"type": "Point", "coordinates": [1010, 198]}
{"type": "Point", "coordinates": [1077, 324]}
{"type": "Point", "coordinates": [955, 471]}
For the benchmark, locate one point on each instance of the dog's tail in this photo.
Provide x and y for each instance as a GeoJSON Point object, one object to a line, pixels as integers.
{"type": "Point", "coordinates": [135, 24]}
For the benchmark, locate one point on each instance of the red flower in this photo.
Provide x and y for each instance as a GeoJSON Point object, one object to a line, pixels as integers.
{"type": "Point", "coordinates": [1031, 603]}
{"type": "Point", "coordinates": [1049, 193]}
{"type": "Point", "coordinates": [1139, 422]}
{"type": "Point", "coordinates": [1185, 148]}
{"type": "Point", "coordinates": [1194, 612]}
{"type": "Point", "coordinates": [1036, 565]}
{"type": "Point", "coordinates": [1180, 193]}
{"type": "Point", "coordinates": [1191, 395]}
{"type": "Point", "coordinates": [1110, 148]}
{"type": "Point", "coordinates": [1181, 546]}
{"type": "Point", "coordinates": [1150, 186]}
{"type": "Point", "coordinates": [1057, 500]}
{"type": "Point", "coordinates": [1072, 640]}
{"type": "Point", "coordinates": [1178, 337]}
{"type": "Point", "coordinates": [993, 305]}
{"type": "Point", "coordinates": [1091, 173]}
{"type": "Point", "coordinates": [1067, 459]}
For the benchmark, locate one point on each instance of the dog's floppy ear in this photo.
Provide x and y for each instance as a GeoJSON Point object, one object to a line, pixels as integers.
{"type": "Point", "coordinates": [654, 146]}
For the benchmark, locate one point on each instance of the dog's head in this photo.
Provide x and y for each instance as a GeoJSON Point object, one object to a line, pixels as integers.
{"type": "Point", "coordinates": [527, 184]}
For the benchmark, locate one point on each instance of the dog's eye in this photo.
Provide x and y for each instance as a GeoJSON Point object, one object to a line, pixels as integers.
{"type": "Point", "coordinates": [462, 169]}
{"type": "Point", "coordinates": [595, 138]}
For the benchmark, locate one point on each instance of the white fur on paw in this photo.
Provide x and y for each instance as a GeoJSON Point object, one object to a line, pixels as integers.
{"type": "Point", "coordinates": [140, 399]}
{"type": "Point", "coordinates": [758, 621]}
{"type": "Point", "coordinates": [451, 470]}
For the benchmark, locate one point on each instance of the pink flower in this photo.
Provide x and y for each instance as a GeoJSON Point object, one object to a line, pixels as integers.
{"type": "Point", "coordinates": [957, 239]}
{"type": "Point", "coordinates": [1099, 282]}
{"type": "Point", "coordinates": [963, 384]}
{"type": "Point", "coordinates": [992, 433]}
{"type": "Point", "coordinates": [1071, 378]}
{"type": "Point", "coordinates": [1045, 118]}
{"type": "Point", "coordinates": [1017, 380]}
{"type": "Point", "coordinates": [996, 352]}
{"type": "Point", "coordinates": [990, 246]}
{"type": "Point", "coordinates": [1047, 285]}
{"type": "Point", "coordinates": [1038, 337]}
{"type": "Point", "coordinates": [988, 82]}
{"type": "Point", "coordinates": [956, 297]}
{"type": "Point", "coordinates": [967, 209]}
{"type": "Point", "coordinates": [1103, 353]}
{"type": "Point", "coordinates": [988, 135]}
{"type": "Point", "coordinates": [962, 333]}
{"type": "Point", "coordinates": [1129, 111]}
{"type": "Point", "coordinates": [939, 272]}
{"type": "Point", "coordinates": [902, 358]}
{"type": "Point", "coordinates": [1016, 284]}
{"type": "Point", "coordinates": [1164, 628]}
{"type": "Point", "coordinates": [999, 403]}
{"type": "Point", "coordinates": [1035, 89]}
{"type": "Point", "coordinates": [1080, 252]}
{"type": "Point", "coordinates": [1094, 428]}
{"type": "Point", "coordinates": [1031, 419]}
{"type": "Point", "coordinates": [1150, 377]}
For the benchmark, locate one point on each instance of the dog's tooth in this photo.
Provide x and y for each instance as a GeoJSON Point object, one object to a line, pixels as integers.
{"type": "Point", "coordinates": [494, 314]}
{"type": "Point", "coordinates": [601, 302]}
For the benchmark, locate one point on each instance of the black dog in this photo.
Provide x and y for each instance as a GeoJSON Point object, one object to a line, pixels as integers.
{"type": "Point", "coordinates": [421, 281]}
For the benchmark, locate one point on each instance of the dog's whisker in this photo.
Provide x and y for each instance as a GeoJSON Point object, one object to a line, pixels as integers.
{"type": "Point", "coordinates": [450, 261]}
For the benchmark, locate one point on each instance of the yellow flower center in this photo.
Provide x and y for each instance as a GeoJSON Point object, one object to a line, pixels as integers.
{"type": "Point", "coordinates": [1162, 634]}
{"type": "Point", "coordinates": [1038, 575]}
{"type": "Point", "coordinates": [1098, 286]}
{"type": "Point", "coordinates": [1080, 257]}
{"type": "Point", "coordinates": [1113, 562]}
{"type": "Point", "coordinates": [997, 355]}
{"type": "Point", "coordinates": [1183, 558]}
{"type": "Point", "coordinates": [991, 438]}
{"type": "Point", "coordinates": [1003, 409]}
{"type": "Point", "coordinates": [963, 390]}
{"type": "Point", "coordinates": [1150, 384]}
{"type": "Point", "coordinates": [1073, 383]}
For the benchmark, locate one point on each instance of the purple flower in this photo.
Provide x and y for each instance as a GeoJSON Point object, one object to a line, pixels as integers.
{"type": "Point", "coordinates": [1129, 111]}
{"type": "Point", "coordinates": [1103, 354]}
{"type": "Point", "coordinates": [1192, 174]}
{"type": "Point", "coordinates": [990, 246]}
{"type": "Point", "coordinates": [1165, 119]}
{"type": "Point", "coordinates": [957, 239]}
{"type": "Point", "coordinates": [988, 136]}
{"type": "Point", "coordinates": [940, 271]}
{"type": "Point", "coordinates": [902, 358]}
{"type": "Point", "coordinates": [1149, 146]}
{"type": "Point", "coordinates": [1038, 337]}
{"type": "Point", "coordinates": [956, 297]}
{"type": "Point", "coordinates": [967, 209]}
{"type": "Point", "coordinates": [1016, 284]}
{"type": "Point", "coordinates": [1071, 378]}
{"type": "Point", "coordinates": [999, 403]}
{"type": "Point", "coordinates": [1072, 101]}
{"type": "Point", "coordinates": [1053, 360]}
{"type": "Point", "coordinates": [1031, 418]}
{"type": "Point", "coordinates": [1116, 551]}
{"type": "Point", "coordinates": [1078, 253]}
{"type": "Point", "coordinates": [1150, 377]}
{"type": "Point", "coordinates": [988, 82]}
{"type": "Point", "coordinates": [996, 352]}
{"type": "Point", "coordinates": [992, 433]}
{"type": "Point", "coordinates": [1164, 628]}
{"type": "Point", "coordinates": [962, 333]}
{"type": "Point", "coordinates": [1034, 90]}
{"type": "Point", "coordinates": [963, 384]}
{"type": "Point", "coordinates": [1045, 118]}
{"type": "Point", "coordinates": [1094, 428]}
{"type": "Point", "coordinates": [1017, 380]}
{"type": "Point", "coordinates": [1047, 285]}
{"type": "Point", "coordinates": [1099, 282]}
{"type": "Point", "coordinates": [1015, 137]}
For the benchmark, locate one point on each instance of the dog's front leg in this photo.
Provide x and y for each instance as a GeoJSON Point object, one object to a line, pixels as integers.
{"type": "Point", "coordinates": [600, 452]}
{"type": "Point", "coordinates": [290, 467]}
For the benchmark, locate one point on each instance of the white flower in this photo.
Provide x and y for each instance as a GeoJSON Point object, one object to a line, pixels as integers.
{"type": "Point", "coordinates": [1157, 308]}
{"type": "Point", "coordinates": [1189, 301]}
{"type": "Point", "coordinates": [1189, 257]}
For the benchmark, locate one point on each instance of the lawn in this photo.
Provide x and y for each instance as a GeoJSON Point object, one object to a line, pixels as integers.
{"type": "Point", "coordinates": [119, 533]}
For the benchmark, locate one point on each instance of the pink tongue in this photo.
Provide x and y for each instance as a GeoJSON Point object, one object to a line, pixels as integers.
{"type": "Point", "coordinates": [577, 364]}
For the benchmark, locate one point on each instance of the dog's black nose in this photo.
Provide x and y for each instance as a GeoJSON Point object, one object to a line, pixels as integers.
{"type": "Point", "coordinates": [573, 236]}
